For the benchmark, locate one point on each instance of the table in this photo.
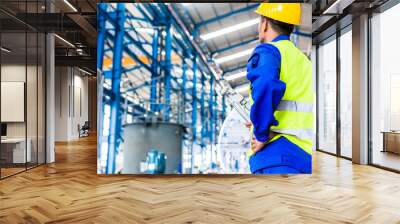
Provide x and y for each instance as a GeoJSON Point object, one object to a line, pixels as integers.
{"type": "Point", "coordinates": [391, 141]}
{"type": "Point", "coordinates": [13, 150]}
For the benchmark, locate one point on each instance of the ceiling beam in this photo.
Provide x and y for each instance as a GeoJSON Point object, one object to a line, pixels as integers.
{"type": "Point", "coordinates": [223, 16]}
{"type": "Point", "coordinates": [89, 30]}
{"type": "Point", "coordinates": [81, 61]}
{"type": "Point", "coordinates": [222, 50]}
{"type": "Point", "coordinates": [49, 22]}
{"type": "Point", "coordinates": [229, 70]}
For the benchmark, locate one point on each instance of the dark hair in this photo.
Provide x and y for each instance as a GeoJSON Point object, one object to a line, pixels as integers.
{"type": "Point", "coordinates": [281, 27]}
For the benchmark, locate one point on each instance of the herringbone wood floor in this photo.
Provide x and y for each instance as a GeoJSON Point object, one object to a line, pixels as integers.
{"type": "Point", "coordinates": [69, 191]}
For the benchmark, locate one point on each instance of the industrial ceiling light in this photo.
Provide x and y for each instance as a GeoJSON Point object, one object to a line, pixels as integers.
{"type": "Point", "coordinates": [337, 7]}
{"type": "Point", "coordinates": [242, 88]}
{"type": "Point", "coordinates": [229, 29]}
{"type": "Point", "coordinates": [236, 76]}
{"type": "Point", "coordinates": [79, 51]}
{"type": "Point", "coordinates": [70, 5]}
{"type": "Point", "coordinates": [187, 72]}
{"type": "Point", "coordinates": [147, 30]}
{"type": "Point", "coordinates": [186, 4]}
{"type": "Point", "coordinates": [234, 56]}
{"type": "Point", "coordinates": [175, 33]}
{"type": "Point", "coordinates": [65, 41]}
{"type": "Point", "coordinates": [5, 50]}
{"type": "Point", "coordinates": [84, 71]}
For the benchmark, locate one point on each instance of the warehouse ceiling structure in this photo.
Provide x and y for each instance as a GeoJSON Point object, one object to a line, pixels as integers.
{"type": "Point", "coordinates": [225, 33]}
{"type": "Point", "coordinates": [228, 34]}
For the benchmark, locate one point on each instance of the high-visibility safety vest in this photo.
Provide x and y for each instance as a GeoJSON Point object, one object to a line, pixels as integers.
{"type": "Point", "coordinates": [295, 113]}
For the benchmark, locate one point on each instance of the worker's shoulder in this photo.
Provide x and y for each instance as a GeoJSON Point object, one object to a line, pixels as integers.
{"type": "Point", "coordinates": [264, 53]}
{"type": "Point", "coordinates": [266, 48]}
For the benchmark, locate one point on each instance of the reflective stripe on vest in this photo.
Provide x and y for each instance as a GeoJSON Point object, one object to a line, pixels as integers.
{"type": "Point", "coordinates": [289, 105]}
{"type": "Point", "coordinates": [300, 133]}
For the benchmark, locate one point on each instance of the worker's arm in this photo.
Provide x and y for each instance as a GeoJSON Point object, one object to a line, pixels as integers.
{"type": "Point", "coordinates": [263, 70]}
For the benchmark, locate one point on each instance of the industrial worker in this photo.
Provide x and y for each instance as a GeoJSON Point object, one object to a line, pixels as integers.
{"type": "Point", "coordinates": [281, 95]}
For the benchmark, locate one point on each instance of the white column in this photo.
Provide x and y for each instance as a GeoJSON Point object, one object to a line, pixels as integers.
{"type": "Point", "coordinates": [360, 90]}
{"type": "Point", "coordinates": [50, 98]}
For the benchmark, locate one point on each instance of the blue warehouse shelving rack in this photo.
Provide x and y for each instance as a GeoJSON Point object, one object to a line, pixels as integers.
{"type": "Point", "coordinates": [151, 71]}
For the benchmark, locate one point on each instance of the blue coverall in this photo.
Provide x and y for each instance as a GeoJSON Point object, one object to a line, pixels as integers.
{"type": "Point", "coordinates": [280, 156]}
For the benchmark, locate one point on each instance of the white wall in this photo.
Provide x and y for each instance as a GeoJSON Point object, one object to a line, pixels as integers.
{"type": "Point", "coordinates": [61, 103]}
{"type": "Point", "coordinates": [81, 102]}
{"type": "Point", "coordinates": [71, 102]}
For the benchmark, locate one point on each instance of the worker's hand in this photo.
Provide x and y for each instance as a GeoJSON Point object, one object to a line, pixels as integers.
{"type": "Point", "coordinates": [248, 124]}
{"type": "Point", "coordinates": [256, 145]}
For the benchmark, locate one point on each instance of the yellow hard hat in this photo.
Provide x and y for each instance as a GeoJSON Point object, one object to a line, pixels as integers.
{"type": "Point", "coordinates": [285, 12]}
